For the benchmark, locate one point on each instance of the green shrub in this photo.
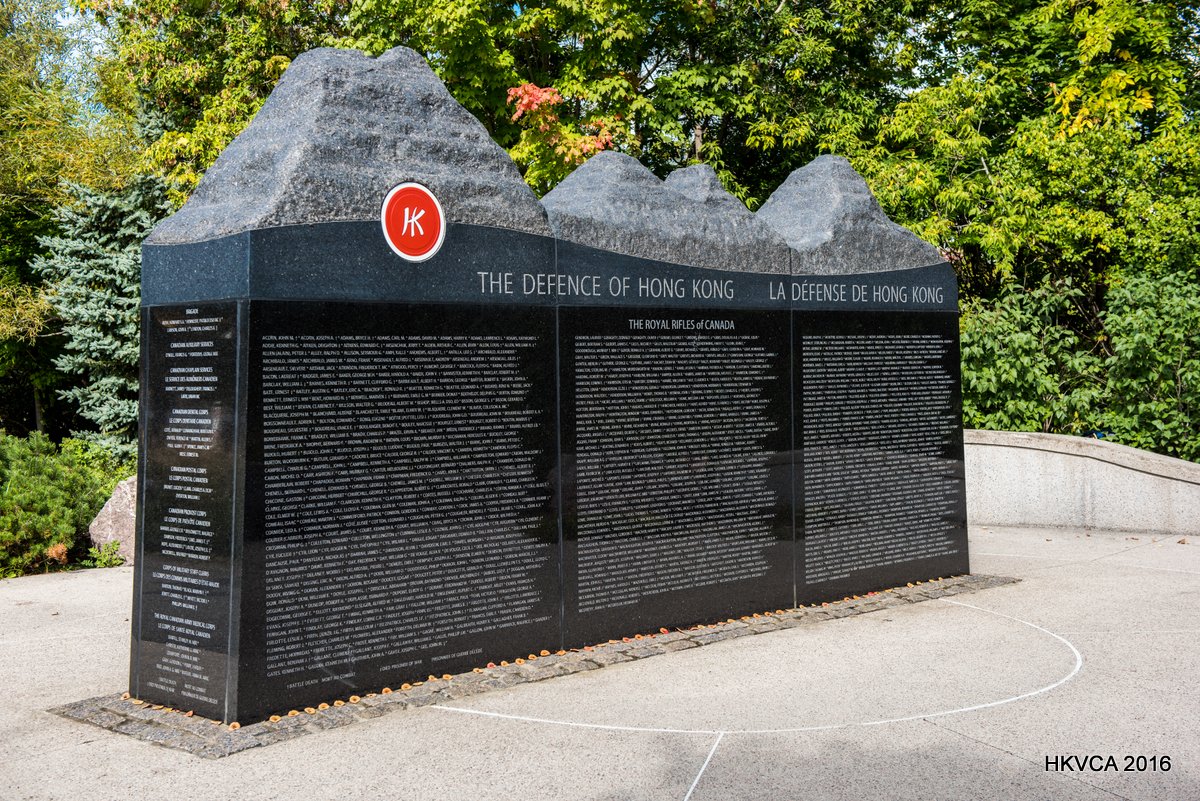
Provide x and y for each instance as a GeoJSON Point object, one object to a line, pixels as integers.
{"type": "Point", "coordinates": [1153, 375]}
{"type": "Point", "coordinates": [1023, 367]}
{"type": "Point", "coordinates": [48, 497]}
{"type": "Point", "coordinates": [105, 556]}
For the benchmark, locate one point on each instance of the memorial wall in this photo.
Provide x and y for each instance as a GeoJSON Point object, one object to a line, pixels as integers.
{"type": "Point", "coordinates": [401, 418]}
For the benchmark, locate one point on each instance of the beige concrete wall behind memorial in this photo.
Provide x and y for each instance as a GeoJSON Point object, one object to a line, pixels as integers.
{"type": "Point", "coordinates": [1021, 479]}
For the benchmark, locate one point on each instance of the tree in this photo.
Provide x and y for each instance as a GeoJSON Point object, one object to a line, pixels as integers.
{"type": "Point", "coordinates": [205, 68]}
{"type": "Point", "coordinates": [1024, 368]}
{"type": "Point", "coordinates": [51, 129]}
{"type": "Point", "coordinates": [1014, 157]}
{"type": "Point", "coordinates": [1049, 148]}
{"type": "Point", "coordinates": [1056, 164]}
{"type": "Point", "coordinates": [753, 88]}
{"type": "Point", "coordinates": [92, 269]}
{"type": "Point", "coordinates": [68, 105]}
{"type": "Point", "coordinates": [48, 497]}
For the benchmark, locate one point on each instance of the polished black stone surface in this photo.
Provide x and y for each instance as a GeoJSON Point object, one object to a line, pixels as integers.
{"type": "Point", "coordinates": [348, 261]}
{"type": "Point", "coordinates": [879, 452]}
{"type": "Point", "coordinates": [187, 566]}
{"type": "Point", "coordinates": [498, 267]}
{"type": "Point", "coordinates": [676, 503]}
{"type": "Point", "coordinates": [399, 518]}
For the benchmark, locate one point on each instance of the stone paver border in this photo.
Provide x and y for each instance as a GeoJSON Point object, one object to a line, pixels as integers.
{"type": "Point", "coordinates": [211, 739]}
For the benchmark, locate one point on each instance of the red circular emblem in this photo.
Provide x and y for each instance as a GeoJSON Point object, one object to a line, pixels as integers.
{"type": "Point", "coordinates": [413, 223]}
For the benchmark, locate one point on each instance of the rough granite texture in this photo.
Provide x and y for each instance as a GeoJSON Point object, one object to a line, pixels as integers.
{"type": "Point", "coordinates": [614, 203]}
{"type": "Point", "coordinates": [116, 521]}
{"type": "Point", "coordinates": [828, 215]}
{"type": "Point", "coordinates": [338, 132]}
{"type": "Point", "coordinates": [210, 739]}
{"type": "Point", "coordinates": [699, 182]}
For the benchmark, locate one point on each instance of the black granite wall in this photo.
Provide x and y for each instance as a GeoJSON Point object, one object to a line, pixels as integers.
{"type": "Point", "coordinates": [635, 405]}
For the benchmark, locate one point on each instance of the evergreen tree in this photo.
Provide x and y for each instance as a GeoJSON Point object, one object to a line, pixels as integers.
{"type": "Point", "coordinates": [92, 270]}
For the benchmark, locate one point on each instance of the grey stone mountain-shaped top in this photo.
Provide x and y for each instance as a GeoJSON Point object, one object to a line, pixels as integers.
{"type": "Point", "coordinates": [340, 130]}
{"type": "Point", "coordinates": [700, 182]}
{"type": "Point", "coordinates": [613, 203]}
{"type": "Point", "coordinates": [835, 226]}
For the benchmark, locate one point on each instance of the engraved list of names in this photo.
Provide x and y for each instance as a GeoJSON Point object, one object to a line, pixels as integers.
{"type": "Point", "coordinates": [188, 516]}
{"type": "Point", "coordinates": [879, 422]}
{"type": "Point", "coordinates": [676, 422]}
{"type": "Point", "coordinates": [405, 488]}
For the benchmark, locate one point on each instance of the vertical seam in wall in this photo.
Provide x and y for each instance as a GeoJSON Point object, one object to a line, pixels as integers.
{"type": "Point", "coordinates": [237, 533]}
{"type": "Point", "coordinates": [558, 412]}
{"type": "Point", "coordinates": [796, 472]}
{"type": "Point", "coordinates": [235, 553]}
{"type": "Point", "coordinates": [792, 351]}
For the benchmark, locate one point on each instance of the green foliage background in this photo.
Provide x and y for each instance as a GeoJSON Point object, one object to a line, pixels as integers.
{"type": "Point", "coordinates": [1049, 148]}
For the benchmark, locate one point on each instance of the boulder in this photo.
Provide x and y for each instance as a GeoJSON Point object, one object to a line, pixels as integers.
{"type": "Point", "coordinates": [116, 520]}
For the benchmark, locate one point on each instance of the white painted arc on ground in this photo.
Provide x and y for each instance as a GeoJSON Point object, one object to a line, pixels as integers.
{"type": "Point", "coordinates": [722, 732]}
{"type": "Point", "coordinates": [1078, 666]}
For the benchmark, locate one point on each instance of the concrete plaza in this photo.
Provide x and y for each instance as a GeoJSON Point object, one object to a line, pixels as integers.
{"type": "Point", "coordinates": [1094, 653]}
